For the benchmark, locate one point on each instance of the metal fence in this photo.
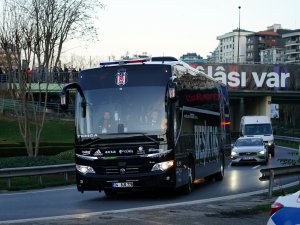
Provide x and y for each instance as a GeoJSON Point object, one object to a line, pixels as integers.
{"type": "Point", "coordinates": [286, 138]}
{"type": "Point", "coordinates": [270, 174]}
{"type": "Point", "coordinates": [9, 173]}
{"type": "Point", "coordinates": [36, 76]}
{"type": "Point", "coordinates": [9, 105]}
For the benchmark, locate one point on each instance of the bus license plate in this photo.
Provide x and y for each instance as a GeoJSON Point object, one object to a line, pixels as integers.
{"type": "Point", "coordinates": [122, 185]}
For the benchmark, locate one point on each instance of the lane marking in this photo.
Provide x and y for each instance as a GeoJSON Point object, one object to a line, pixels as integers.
{"type": "Point", "coordinates": [85, 215]}
{"type": "Point", "coordinates": [255, 167]}
{"type": "Point", "coordinates": [37, 191]}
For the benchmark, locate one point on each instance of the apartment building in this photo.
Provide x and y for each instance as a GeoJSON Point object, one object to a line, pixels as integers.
{"type": "Point", "coordinates": [292, 46]}
{"type": "Point", "coordinates": [274, 45]}
{"type": "Point", "coordinates": [232, 47]}
{"type": "Point", "coordinates": [261, 41]}
{"type": "Point", "coordinates": [272, 55]}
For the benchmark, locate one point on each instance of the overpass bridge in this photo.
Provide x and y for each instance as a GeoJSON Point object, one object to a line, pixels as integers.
{"type": "Point", "coordinates": [253, 88]}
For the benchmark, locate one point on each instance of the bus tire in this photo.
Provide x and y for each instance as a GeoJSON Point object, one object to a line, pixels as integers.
{"type": "Point", "coordinates": [187, 188]}
{"type": "Point", "coordinates": [220, 175]}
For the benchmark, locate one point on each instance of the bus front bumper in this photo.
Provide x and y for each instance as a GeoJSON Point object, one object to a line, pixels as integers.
{"type": "Point", "coordinates": [125, 182]}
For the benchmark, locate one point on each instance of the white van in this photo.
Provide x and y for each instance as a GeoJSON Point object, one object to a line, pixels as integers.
{"type": "Point", "coordinates": [258, 126]}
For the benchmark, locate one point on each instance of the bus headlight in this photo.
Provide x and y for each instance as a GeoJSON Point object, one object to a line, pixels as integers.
{"type": "Point", "coordinates": [84, 169]}
{"type": "Point", "coordinates": [163, 165]}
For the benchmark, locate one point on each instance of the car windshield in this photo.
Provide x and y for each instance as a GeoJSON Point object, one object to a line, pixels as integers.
{"type": "Point", "coordinates": [248, 142]}
{"type": "Point", "coordinates": [258, 129]}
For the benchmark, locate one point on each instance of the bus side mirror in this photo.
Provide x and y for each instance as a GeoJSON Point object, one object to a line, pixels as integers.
{"type": "Point", "coordinates": [64, 97]}
{"type": "Point", "coordinates": [172, 88]}
{"type": "Point", "coordinates": [171, 92]}
{"type": "Point", "coordinates": [83, 107]}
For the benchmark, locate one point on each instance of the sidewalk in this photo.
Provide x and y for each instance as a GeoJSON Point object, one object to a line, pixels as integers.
{"type": "Point", "coordinates": [233, 212]}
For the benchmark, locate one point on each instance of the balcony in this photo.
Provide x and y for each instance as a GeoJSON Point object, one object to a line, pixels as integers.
{"type": "Point", "coordinates": [294, 58]}
{"type": "Point", "coordinates": [291, 43]}
{"type": "Point", "coordinates": [292, 51]}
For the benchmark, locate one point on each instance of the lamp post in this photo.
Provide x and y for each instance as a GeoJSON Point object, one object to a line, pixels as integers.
{"type": "Point", "coordinates": [239, 31]}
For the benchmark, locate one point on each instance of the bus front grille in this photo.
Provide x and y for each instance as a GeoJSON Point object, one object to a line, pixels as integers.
{"type": "Point", "coordinates": [125, 170]}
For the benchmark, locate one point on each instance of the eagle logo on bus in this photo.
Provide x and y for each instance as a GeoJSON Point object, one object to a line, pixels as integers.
{"type": "Point", "coordinates": [121, 77]}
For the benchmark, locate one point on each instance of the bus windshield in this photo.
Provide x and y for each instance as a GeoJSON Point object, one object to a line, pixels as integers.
{"type": "Point", "coordinates": [133, 109]}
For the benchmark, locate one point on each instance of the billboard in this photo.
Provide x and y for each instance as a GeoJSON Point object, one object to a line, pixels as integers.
{"type": "Point", "coordinates": [260, 77]}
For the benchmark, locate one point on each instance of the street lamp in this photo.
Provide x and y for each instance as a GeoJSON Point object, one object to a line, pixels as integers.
{"type": "Point", "coordinates": [239, 32]}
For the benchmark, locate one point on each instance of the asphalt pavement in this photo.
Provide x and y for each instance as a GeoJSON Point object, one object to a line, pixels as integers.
{"type": "Point", "coordinates": [237, 211]}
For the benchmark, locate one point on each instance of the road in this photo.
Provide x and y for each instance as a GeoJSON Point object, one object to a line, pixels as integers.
{"type": "Point", "coordinates": [66, 200]}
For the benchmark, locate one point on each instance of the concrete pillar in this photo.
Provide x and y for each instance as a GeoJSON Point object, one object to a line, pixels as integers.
{"type": "Point", "coordinates": [264, 106]}
{"type": "Point", "coordinates": [242, 107]}
{"type": "Point", "coordinates": [259, 106]}
{"type": "Point", "coordinates": [236, 113]}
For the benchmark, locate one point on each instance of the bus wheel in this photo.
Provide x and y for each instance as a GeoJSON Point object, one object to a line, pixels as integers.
{"type": "Point", "coordinates": [110, 192]}
{"type": "Point", "coordinates": [220, 175]}
{"type": "Point", "coordinates": [187, 188]}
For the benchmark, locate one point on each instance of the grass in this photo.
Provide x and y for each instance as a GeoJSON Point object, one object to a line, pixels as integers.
{"type": "Point", "coordinates": [9, 131]}
{"type": "Point", "coordinates": [24, 161]}
{"type": "Point", "coordinates": [288, 144]}
{"type": "Point", "coordinates": [55, 131]}
{"type": "Point", "coordinates": [24, 183]}
{"type": "Point", "coordinates": [286, 191]}
{"type": "Point", "coordinates": [57, 136]}
{"type": "Point", "coordinates": [33, 182]}
{"type": "Point", "coordinates": [277, 193]}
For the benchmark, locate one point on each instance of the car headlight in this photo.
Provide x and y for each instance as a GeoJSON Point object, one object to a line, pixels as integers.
{"type": "Point", "coordinates": [233, 153]}
{"type": "Point", "coordinates": [262, 152]}
{"type": "Point", "coordinates": [84, 169]}
{"type": "Point", "coordinates": [163, 165]}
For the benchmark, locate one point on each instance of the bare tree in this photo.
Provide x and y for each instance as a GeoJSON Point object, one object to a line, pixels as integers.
{"type": "Point", "coordinates": [14, 42]}
{"type": "Point", "coordinates": [33, 33]}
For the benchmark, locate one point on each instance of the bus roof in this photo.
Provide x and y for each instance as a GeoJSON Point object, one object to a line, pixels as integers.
{"type": "Point", "coordinates": [166, 60]}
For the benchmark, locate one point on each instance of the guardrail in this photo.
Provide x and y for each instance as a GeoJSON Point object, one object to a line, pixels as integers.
{"type": "Point", "coordinates": [286, 138]}
{"type": "Point", "coordinates": [271, 174]}
{"type": "Point", "coordinates": [36, 171]}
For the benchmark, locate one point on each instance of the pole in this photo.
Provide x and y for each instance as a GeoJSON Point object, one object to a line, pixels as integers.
{"type": "Point", "coordinates": [239, 31]}
{"type": "Point", "coordinates": [271, 183]}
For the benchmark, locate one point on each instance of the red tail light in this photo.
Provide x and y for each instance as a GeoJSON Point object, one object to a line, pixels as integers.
{"type": "Point", "coordinates": [223, 123]}
{"type": "Point", "coordinates": [275, 207]}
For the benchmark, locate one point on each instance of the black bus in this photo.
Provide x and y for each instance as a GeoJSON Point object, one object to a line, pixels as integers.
{"type": "Point", "coordinates": [143, 124]}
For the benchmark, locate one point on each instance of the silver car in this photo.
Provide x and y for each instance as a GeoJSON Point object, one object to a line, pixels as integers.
{"type": "Point", "coordinates": [249, 149]}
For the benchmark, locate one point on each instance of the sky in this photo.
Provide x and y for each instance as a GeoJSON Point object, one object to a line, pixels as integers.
{"type": "Point", "coordinates": [177, 27]}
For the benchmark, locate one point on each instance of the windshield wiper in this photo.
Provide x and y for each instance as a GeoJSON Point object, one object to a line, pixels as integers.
{"type": "Point", "coordinates": [118, 135]}
{"type": "Point", "coordinates": [140, 133]}
{"type": "Point", "coordinates": [126, 134]}
{"type": "Point", "coordinates": [93, 141]}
